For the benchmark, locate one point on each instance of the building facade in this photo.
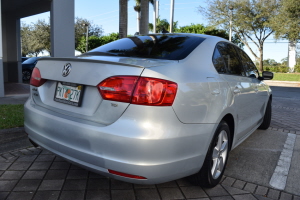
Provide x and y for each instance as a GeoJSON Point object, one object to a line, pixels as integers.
{"type": "Point", "coordinates": [62, 33]}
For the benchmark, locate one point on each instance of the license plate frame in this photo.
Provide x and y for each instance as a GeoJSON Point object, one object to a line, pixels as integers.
{"type": "Point", "coordinates": [69, 93]}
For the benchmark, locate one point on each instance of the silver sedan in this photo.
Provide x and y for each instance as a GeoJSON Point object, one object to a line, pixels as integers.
{"type": "Point", "coordinates": [149, 109]}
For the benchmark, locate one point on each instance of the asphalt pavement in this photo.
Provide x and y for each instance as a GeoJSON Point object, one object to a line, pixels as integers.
{"type": "Point", "coordinates": [33, 173]}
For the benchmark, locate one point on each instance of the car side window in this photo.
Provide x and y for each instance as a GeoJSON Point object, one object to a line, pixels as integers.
{"type": "Point", "coordinates": [231, 59]}
{"type": "Point", "coordinates": [250, 68]}
{"type": "Point", "coordinates": [218, 62]}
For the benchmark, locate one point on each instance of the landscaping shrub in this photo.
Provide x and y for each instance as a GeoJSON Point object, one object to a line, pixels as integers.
{"type": "Point", "coordinates": [277, 69]}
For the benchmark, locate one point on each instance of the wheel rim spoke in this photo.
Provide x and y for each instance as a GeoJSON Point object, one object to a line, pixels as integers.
{"type": "Point", "coordinates": [221, 164]}
{"type": "Point", "coordinates": [219, 154]}
{"type": "Point", "coordinates": [224, 146]}
{"type": "Point", "coordinates": [214, 168]}
{"type": "Point", "coordinates": [220, 140]}
{"type": "Point", "coordinates": [215, 153]}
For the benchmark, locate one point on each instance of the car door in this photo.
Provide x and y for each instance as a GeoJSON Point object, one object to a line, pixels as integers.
{"type": "Point", "coordinates": [261, 94]}
{"type": "Point", "coordinates": [240, 86]}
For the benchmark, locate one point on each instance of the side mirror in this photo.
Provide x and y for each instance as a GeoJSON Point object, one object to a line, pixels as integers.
{"type": "Point", "coordinates": [266, 75]}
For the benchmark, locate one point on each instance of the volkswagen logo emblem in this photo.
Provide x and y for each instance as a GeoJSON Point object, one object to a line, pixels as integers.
{"type": "Point", "coordinates": [66, 70]}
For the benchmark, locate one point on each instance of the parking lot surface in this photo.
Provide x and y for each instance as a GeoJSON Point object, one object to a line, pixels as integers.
{"type": "Point", "coordinates": [34, 173]}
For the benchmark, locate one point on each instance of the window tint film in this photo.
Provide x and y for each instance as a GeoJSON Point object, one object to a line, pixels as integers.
{"type": "Point", "coordinates": [219, 62]}
{"type": "Point", "coordinates": [249, 66]}
{"type": "Point", "coordinates": [164, 46]}
{"type": "Point", "coordinates": [231, 58]}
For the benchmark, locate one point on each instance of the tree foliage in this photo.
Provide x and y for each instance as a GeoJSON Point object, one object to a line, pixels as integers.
{"type": "Point", "coordinates": [80, 29]}
{"type": "Point", "coordinates": [208, 30]}
{"type": "Point", "coordinates": [42, 33]}
{"type": "Point", "coordinates": [162, 24]}
{"type": "Point", "coordinates": [287, 22]}
{"type": "Point", "coordinates": [193, 28]}
{"type": "Point", "coordinates": [270, 62]}
{"type": "Point", "coordinates": [36, 36]}
{"type": "Point", "coordinates": [95, 41]}
{"type": "Point", "coordinates": [28, 47]}
{"type": "Point", "coordinates": [251, 20]}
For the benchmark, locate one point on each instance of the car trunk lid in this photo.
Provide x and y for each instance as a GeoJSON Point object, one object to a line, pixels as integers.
{"type": "Point", "coordinates": [84, 74]}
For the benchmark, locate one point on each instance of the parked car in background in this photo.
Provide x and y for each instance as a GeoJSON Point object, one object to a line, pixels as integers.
{"type": "Point", "coordinates": [27, 67]}
{"type": "Point", "coordinates": [149, 109]}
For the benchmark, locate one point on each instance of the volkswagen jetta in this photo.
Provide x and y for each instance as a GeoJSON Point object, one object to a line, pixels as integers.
{"type": "Point", "coordinates": [149, 109]}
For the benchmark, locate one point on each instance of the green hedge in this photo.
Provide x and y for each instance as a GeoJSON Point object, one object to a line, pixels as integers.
{"type": "Point", "coordinates": [297, 68]}
{"type": "Point", "coordinates": [277, 69]}
{"type": "Point", "coordinates": [281, 68]}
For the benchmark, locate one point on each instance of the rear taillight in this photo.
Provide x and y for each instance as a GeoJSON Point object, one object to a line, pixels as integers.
{"type": "Point", "coordinates": [138, 90]}
{"type": "Point", "coordinates": [154, 92]}
{"type": "Point", "coordinates": [118, 88]}
{"type": "Point", "coordinates": [36, 79]}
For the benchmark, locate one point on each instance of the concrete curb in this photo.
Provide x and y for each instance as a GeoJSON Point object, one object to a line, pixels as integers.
{"type": "Point", "coordinates": [283, 83]}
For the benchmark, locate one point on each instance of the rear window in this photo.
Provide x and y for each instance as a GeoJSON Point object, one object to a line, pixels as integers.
{"type": "Point", "coordinates": [167, 47]}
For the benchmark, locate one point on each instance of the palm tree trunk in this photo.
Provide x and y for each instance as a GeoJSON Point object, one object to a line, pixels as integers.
{"type": "Point", "coordinates": [144, 17]}
{"type": "Point", "coordinates": [123, 18]}
{"type": "Point", "coordinates": [154, 16]}
{"type": "Point", "coordinates": [292, 55]}
{"type": "Point", "coordinates": [138, 19]}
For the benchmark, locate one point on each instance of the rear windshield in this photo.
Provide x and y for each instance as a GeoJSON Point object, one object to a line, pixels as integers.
{"type": "Point", "coordinates": [167, 47]}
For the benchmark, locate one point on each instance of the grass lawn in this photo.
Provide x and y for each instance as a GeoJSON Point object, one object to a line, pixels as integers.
{"type": "Point", "coordinates": [286, 77]}
{"type": "Point", "coordinates": [11, 116]}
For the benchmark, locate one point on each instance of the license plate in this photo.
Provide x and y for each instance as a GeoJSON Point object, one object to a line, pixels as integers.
{"type": "Point", "coordinates": [68, 93]}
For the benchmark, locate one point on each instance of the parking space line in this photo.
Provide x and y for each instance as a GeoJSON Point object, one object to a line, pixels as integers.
{"type": "Point", "coordinates": [279, 177]}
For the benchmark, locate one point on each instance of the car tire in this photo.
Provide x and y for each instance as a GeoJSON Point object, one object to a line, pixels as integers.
{"type": "Point", "coordinates": [267, 117]}
{"type": "Point", "coordinates": [216, 159]}
{"type": "Point", "coordinates": [26, 75]}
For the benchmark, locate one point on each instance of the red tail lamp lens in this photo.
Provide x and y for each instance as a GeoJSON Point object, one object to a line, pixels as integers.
{"type": "Point", "coordinates": [138, 90]}
{"type": "Point", "coordinates": [118, 88]}
{"type": "Point", "coordinates": [36, 78]}
{"type": "Point", "coordinates": [126, 175]}
{"type": "Point", "coordinates": [154, 92]}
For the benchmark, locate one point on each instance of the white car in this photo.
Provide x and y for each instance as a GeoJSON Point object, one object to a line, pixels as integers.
{"type": "Point", "coordinates": [149, 109]}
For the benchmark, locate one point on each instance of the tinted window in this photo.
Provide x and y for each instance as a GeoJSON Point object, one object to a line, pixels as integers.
{"type": "Point", "coordinates": [231, 58]}
{"type": "Point", "coordinates": [168, 47]}
{"type": "Point", "coordinates": [248, 65]}
{"type": "Point", "coordinates": [219, 62]}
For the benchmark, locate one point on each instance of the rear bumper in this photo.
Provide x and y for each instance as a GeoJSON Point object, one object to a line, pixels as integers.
{"type": "Point", "coordinates": [160, 149]}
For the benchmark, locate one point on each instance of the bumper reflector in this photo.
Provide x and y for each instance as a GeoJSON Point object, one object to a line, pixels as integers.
{"type": "Point", "coordinates": [126, 175]}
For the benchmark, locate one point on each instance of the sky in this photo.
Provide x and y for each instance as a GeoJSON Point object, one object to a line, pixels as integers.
{"type": "Point", "coordinates": [106, 14]}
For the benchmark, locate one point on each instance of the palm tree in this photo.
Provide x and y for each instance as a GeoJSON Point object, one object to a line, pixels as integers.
{"type": "Point", "coordinates": [123, 18]}
{"type": "Point", "coordinates": [142, 21]}
{"type": "Point", "coordinates": [162, 24]}
{"type": "Point", "coordinates": [137, 8]}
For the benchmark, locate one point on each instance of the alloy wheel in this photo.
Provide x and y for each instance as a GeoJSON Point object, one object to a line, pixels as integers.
{"type": "Point", "coordinates": [219, 154]}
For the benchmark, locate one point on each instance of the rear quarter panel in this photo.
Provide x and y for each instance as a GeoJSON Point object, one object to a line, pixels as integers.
{"type": "Point", "coordinates": [202, 96]}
